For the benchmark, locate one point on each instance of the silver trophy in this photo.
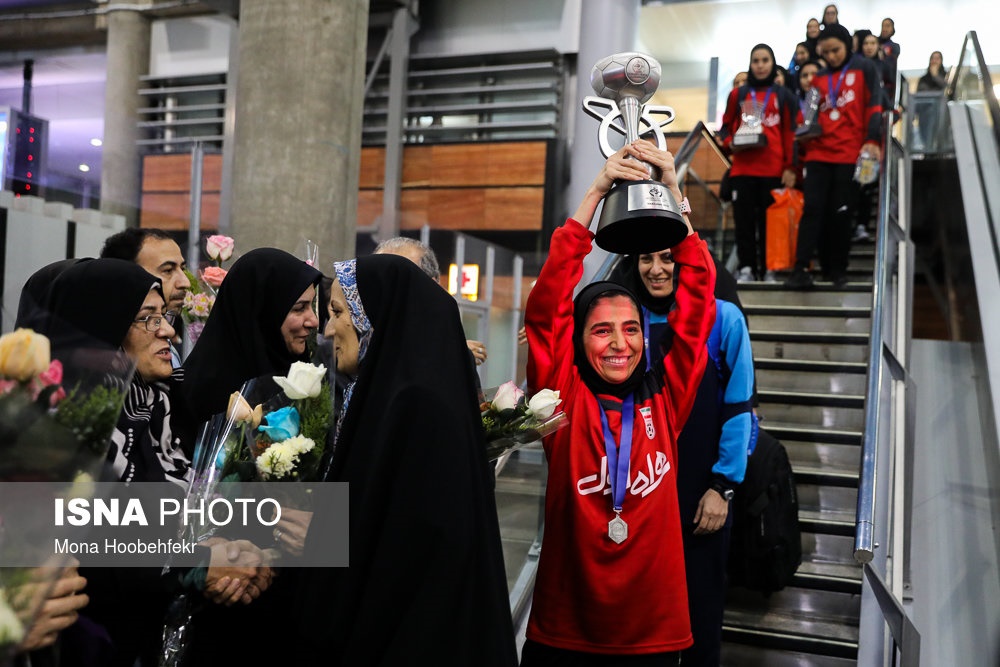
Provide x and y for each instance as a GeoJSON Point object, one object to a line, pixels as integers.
{"type": "Point", "coordinates": [638, 216]}
{"type": "Point", "coordinates": [810, 125]}
{"type": "Point", "coordinates": [751, 131]}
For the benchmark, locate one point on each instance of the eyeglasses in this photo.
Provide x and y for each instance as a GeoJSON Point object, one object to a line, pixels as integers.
{"type": "Point", "coordinates": [154, 323]}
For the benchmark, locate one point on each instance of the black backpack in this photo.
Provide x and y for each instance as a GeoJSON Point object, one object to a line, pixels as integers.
{"type": "Point", "coordinates": [766, 547]}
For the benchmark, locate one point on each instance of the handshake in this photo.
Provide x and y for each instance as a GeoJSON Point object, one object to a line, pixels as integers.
{"type": "Point", "coordinates": [238, 571]}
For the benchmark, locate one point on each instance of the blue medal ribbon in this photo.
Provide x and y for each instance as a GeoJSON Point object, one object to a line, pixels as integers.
{"type": "Point", "coordinates": [619, 455]}
{"type": "Point", "coordinates": [833, 93]}
{"type": "Point", "coordinates": [767, 98]}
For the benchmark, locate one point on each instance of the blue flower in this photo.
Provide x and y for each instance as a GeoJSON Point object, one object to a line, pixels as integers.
{"type": "Point", "coordinates": [281, 424]}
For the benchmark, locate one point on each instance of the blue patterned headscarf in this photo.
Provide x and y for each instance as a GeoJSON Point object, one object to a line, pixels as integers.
{"type": "Point", "coordinates": [347, 276]}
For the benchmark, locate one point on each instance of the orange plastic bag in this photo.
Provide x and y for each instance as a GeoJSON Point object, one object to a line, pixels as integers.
{"type": "Point", "coordinates": [783, 228]}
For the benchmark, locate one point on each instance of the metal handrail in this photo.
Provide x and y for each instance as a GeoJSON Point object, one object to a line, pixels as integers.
{"type": "Point", "coordinates": [887, 375]}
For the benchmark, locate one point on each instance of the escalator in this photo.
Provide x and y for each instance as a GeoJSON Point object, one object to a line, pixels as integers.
{"type": "Point", "coordinates": [833, 372]}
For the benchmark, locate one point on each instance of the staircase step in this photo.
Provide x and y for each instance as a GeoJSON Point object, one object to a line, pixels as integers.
{"type": "Point", "coordinates": [807, 366]}
{"type": "Point", "coordinates": [820, 416]}
{"type": "Point", "coordinates": [794, 619]}
{"type": "Point", "coordinates": [848, 351]}
{"type": "Point", "coordinates": [820, 399]}
{"type": "Point", "coordinates": [752, 296]}
{"type": "Point", "coordinates": [827, 548]}
{"type": "Point", "coordinates": [743, 655]}
{"type": "Point", "coordinates": [827, 522]}
{"type": "Point", "coordinates": [831, 503]}
{"type": "Point", "coordinates": [795, 431]}
{"type": "Point", "coordinates": [808, 337]}
{"type": "Point", "coordinates": [856, 282]}
{"type": "Point", "coordinates": [824, 464]}
{"type": "Point", "coordinates": [805, 320]}
{"type": "Point", "coordinates": [839, 577]}
{"type": "Point", "coordinates": [808, 311]}
{"type": "Point", "coordinates": [798, 376]}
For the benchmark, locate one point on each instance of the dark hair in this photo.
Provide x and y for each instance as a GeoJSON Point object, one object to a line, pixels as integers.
{"type": "Point", "coordinates": [127, 244]}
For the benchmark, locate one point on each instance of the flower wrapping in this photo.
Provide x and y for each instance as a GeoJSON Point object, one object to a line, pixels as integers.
{"type": "Point", "coordinates": [511, 420]}
{"type": "Point", "coordinates": [49, 432]}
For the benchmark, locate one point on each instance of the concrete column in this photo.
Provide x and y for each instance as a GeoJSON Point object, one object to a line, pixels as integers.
{"type": "Point", "coordinates": [121, 163]}
{"type": "Point", "coordinates": [298, 124]}
{"type": "Point", "coordinates": [606, 27]}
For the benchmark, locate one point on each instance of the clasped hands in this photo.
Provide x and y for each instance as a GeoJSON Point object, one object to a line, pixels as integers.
{"type": "Point", "coordinates": [238, 571]}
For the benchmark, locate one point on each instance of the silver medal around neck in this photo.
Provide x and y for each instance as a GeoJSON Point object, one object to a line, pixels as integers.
{"type": "Point", "coordinates": [834, 115]}
{"type": "Point", "coordinates": [617, 530]}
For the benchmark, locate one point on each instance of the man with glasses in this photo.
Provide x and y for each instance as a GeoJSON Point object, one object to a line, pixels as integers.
{"type": "Point", "coordinates": [155, 251]}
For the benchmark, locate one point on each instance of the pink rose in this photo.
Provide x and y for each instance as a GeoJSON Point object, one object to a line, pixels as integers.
{"type": "Point", "coordinates": [219, 247]}
{"type": "Point", "coordinates": [51, 377]}
{"type": "Point", "coordinates": [214, 275]}
{"type": "Point", "coordinates": [507, 397]}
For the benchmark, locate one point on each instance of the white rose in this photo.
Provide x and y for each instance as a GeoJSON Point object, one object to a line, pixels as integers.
{"type": "Point", "coordinates": [507, 397]}
{"type": "Point", "coordinates": [303, 381]}
{"type": "Point", "coordinates": [543, 404]}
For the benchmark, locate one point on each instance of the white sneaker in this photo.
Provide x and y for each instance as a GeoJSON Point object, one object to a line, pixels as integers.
{"type": "Point", "coordinates": [860, 233]}
{"type": "Point", "coordinates": [770, 277]}
{"type": "Point", "coordinates": [745, 275]}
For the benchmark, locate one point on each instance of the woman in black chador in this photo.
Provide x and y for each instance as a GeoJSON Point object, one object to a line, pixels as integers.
{"type": "Point", "coordinates": [259, 325]}
{"type": "Point", "coordinates": [426, 581]}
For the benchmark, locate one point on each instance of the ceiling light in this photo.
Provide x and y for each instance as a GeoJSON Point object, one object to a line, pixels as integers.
{"type": "Point", "coordinates": [84, 168]}
{"type": "Point", "coordinates": [96, 142]}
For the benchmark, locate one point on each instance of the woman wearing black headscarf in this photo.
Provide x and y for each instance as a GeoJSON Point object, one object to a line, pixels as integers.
{"type": "Point", "coordinates": [712, 447]}
{"type": "Point", "coordinates": [31, 307]}
{"type": "Point", "coordinates": [758, 126]}
{"type": "Point", "coordinates": [426, 581]}
{"type": "Point", "coordinates": [610, 588]}
{"type": "Point", "coordinates": [259, 325]}
{"type": "Point", "coordinates": [99, 309]}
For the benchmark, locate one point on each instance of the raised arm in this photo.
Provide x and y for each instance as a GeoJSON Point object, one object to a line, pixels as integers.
{"type": "Point", "coordinates": [548, 315]}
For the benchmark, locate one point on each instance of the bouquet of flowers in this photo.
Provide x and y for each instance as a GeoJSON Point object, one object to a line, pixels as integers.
{"type": "Point", "coordinates": [264, 435]}
{"type": "Point", "coordinates": [289, 429]}
{"type": "Point", "coordinates": [47, 434]}
{"type": "Point", "coordinates": [512, 420]}
{"type": "Point", "coordinates": [199, 300]}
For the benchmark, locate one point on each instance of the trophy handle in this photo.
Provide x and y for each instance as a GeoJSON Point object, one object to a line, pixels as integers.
{"type": "Point", "coordinates": [606, 111]}
{"type": "Point", "coordinates": [655, 127]}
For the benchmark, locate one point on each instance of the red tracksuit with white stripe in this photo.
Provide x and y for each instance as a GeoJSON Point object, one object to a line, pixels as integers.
{"type": "Point", "coordinates": [591, 594]}
{"type": "Point", "coordinates": [859, 108]}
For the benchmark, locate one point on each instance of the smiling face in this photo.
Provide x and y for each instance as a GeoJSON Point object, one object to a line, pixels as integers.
{"type": "Point", "coordinates": [657, 273]}
{"type": "Point", "coordinates": [761, 63]}
{"type": "Point", "coordinates": [612, 338]}
{"type": "Point", "coordinates": [830, 14]}
{"type": "Point", "coordinates": [300, 323]}
{"type": "Point", "coordinates": [341, 330]}
{"type": "Point", "coordinates": [801, 54]}
{"type": "Point", "coordinates": [812, 29]}
{"type": "Point", "coordinates": [150, 350]}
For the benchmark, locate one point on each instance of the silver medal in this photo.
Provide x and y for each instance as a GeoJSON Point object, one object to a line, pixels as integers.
{"type": "Point", "coordinates": [835, 115]}
{"type": "Point", "coordinates": [617, 530]}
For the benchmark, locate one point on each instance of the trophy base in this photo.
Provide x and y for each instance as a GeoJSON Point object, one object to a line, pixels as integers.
{"type": "Point", "coordinates": [747, 141]}
{"type": "Point", "coordinates": [639, 217]}
{"type": "Point", "coordinates": [808, 131]}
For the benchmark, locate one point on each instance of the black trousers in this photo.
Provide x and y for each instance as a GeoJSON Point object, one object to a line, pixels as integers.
{"type": "Point", "coordinates": [541, 655]}
{"type": "Point", "coordinates": [751, 197]}
{"type": "Point", "coordinates": [705, 561]}
{"type": "Point", "coordinates": [831, 199]}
